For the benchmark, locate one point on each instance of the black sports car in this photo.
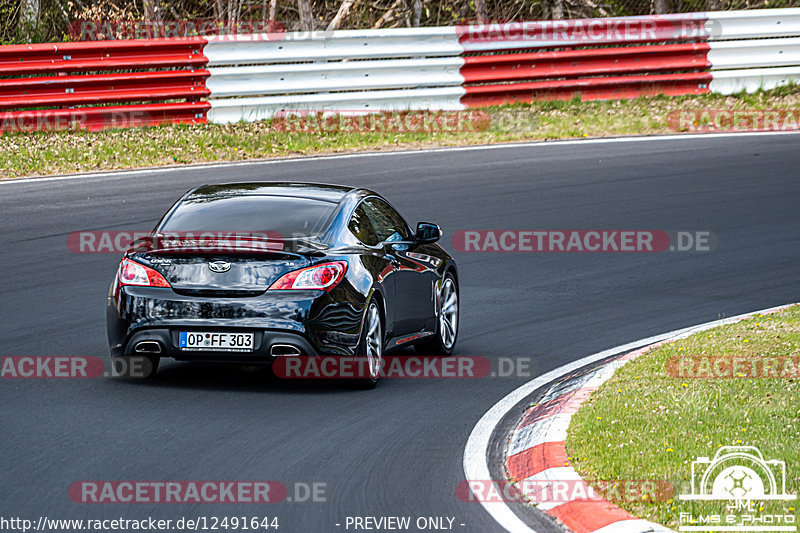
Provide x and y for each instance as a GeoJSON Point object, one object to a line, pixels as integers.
{"type": "Point", "coordinates": [252, 272]}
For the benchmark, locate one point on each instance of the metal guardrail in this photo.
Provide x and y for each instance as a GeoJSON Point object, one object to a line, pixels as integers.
{"type": "Point", "coordinates": [583, 32]}
{"type": "Point", "coordinates": [59, 84]}
{"type": "Point", "coordinates": [752, 50]}
{"type": "Point", "coordinates": [338, 76]}
{"type": "Point", "coordinates": [600, 73]}
{"type": "Point", "coordinates": [756, 53]}
{"type": "Point", "coordinates": [352, 70]}
{"type": "Point", "coordinates": [751, 80]}
{"type": "Point", "coordinates": [103, 88]}
{"type": "Point", "coordinates": [101, 55]}
{"type": "Point", "coordinates": [500, 63]}
{"type": "Point", "coordinates": [331, 46]}
{"type": "Point", "coordinates": [405, 69]}
{"type": "Point", "coordinates": [757, 23]}
{"type": "Point", "coordinates": [252, 109]}
{"type": "Point", "coordinates": [252, 77]}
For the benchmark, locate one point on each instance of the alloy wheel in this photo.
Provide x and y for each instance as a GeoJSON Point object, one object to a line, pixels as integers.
{"type": "Point", "coordinates": [374, 341]}
{"type": "Point", "coordinates": [448, 313]}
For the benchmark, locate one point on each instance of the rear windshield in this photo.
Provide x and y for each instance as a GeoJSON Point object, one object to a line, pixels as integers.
{"type": "Point", "coordinates": [291, 217]}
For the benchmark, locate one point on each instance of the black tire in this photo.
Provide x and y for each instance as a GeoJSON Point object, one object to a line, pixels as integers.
{"type": "Point", "coordinates": [443, 344]}
{"type": "Point", "coordinates": [369, 342]}
{"type": "Point", "coordinates": [135, 366]}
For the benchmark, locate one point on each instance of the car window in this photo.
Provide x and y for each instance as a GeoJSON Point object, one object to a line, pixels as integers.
{"type": "Point", "coordinates": [388, 224]}
{"type": "Point", "coordinates": [285, 215]}
{"type": "Point", "coordinates": [375, 221]}
{"type": "Point", "coordinates": [361, 226]}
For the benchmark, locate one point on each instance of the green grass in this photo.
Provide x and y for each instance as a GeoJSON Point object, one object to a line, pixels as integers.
{"type": "Point", "coordinates": [43, 153]}
{"type": "Point", "coordinates": [644, 424]}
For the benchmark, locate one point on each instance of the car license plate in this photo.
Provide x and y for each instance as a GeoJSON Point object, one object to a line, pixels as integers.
{"type": "Point", "coordinates": [216, 342]}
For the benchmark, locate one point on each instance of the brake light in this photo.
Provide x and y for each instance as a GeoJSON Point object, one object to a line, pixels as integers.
{"type": "Point", "coordinates": [132, 273]}
{"type": "Point", "coordinates": [318, 277]}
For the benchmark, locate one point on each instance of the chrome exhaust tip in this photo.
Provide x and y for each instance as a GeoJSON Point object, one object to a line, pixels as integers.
{"type": "Point", "coordinates": [147, 347]}
{"type": "Point", "coordinates": [284, 350]}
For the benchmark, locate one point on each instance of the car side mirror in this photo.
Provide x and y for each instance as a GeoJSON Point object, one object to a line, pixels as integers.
{"type": "Point", "coordinates": [427, 233]}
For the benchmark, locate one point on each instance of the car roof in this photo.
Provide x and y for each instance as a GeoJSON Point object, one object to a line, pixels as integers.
{"type": "Point", "coordinates": [311, 191]}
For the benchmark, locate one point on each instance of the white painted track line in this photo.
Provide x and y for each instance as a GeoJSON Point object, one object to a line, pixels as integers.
{"type": "Point", "coordinates": [111, 174]}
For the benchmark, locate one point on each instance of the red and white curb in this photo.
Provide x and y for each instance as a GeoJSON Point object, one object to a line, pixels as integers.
{"type": "Point", "coordinates": [536, 448]}
{"type": "Point", "coordinates": [536, 452]}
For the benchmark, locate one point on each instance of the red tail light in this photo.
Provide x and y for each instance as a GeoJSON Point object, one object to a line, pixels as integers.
{"type": "Point", "coordinates": [318, 277]}
{"type": "Point", "coordinates": [132, 273]}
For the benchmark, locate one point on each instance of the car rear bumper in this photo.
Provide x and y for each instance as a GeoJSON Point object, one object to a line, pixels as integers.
{"type": "Point", "coordinates": [311, 321]}
{"type": "Point", "coordinates": [167, 345]}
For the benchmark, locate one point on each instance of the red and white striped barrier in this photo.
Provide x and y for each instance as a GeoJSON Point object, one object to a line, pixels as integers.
{"type": "Point", "coordinates": [252, 77]}
{"type": "Point", "coordinates": [55, 85]}
{"type": "Point", "coordinates": [666, 55]}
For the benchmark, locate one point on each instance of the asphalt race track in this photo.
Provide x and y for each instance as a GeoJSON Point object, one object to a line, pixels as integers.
{"type": "Point", "coordinates": [397, 450]}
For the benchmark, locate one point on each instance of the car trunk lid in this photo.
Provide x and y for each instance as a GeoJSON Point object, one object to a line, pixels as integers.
{"type": "Point", "coordinates": [240, 272]}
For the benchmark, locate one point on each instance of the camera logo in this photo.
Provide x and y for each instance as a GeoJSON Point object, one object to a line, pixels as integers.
{"type": "Point", "coordinates": [738, 473]}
